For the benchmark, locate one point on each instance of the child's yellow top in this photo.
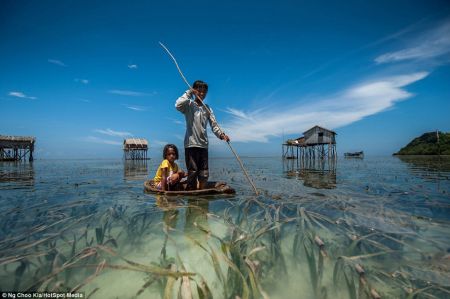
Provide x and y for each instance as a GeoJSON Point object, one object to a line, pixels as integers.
{"type": "Point", "coordinates": [165, 164]}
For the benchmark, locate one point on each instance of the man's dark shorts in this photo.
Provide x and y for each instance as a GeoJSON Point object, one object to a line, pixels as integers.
{"type": "Point", "coordinates": [196, 163]}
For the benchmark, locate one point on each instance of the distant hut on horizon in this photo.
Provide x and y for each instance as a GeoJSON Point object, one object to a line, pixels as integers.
{"type": "Point", "coordinates": [16, 148]}
{"type": "Point", "coordinates": [135, 149]}
{"type": "Point", "coordinates": [317, 142]}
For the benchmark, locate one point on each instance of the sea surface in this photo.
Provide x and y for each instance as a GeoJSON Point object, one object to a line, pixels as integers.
{"type": "Point", "coordinates": [351, 228]}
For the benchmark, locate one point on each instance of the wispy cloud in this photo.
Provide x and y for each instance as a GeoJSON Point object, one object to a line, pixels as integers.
{"type": "Point", "coordinates": [84, 100]}
{"type": "Point", "coordinates": [136, 108]}
{"type": "Point", "coordinates": [84, 81]}
{"type": "Point", "coordinates": [101, 140]}
{"type": "Point", "coordinates": [346, 107]}
{"type": "Point", "coordinates": [240, 114]}
{"type": "Point", "coordinates": [110, 132]}
{"type": "Point", "coordinates": [57, 62]}
{"type": "Point", "coordinates": [348, 55]}
{"type": "Point", "coordinates": [176, 121]}
{"type": "Point", "coordinates": [160, 142]}
{"type": "Point", "coordinates": [19, 94]}
{"type": "Point", "coordinates": [179, 137]}
{"type": "Point", "coordinates": [430, 44]}
{"type": "Point", "coordinates": [129, 93]}
{"type": "Point", "coordinates": [132, 66]}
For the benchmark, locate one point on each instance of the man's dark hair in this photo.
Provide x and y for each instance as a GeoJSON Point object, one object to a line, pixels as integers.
{"type": "Point", "coordinates": [199, 85]}
{"type": "Point", "coordinates": [166, 149]}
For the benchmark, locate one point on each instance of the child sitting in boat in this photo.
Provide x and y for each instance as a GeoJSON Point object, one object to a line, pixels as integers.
{"type": "Point", "coordinates": [168, 174]}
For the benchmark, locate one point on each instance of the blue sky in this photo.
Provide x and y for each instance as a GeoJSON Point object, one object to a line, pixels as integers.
{"type": "Point", "coordinates": [82, 75]}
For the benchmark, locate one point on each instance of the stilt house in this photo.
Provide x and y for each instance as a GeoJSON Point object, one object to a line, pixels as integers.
{"type": "Point", "coordinates": [16, 148]}
{"type": "Point", "coordinates": [318, 135]}
{"type": "Point", "coordinates": [316, 142]}
{"type": "Point", "coordinates": [135, 149]}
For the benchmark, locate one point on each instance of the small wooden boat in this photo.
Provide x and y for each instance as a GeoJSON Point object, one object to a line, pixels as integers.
{"type": "Point", "coordinates": [211, 189]}
{"type": "Point", "coordinates": [354, 155]}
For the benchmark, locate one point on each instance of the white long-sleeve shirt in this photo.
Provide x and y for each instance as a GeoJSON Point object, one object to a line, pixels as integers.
{"type": "Point", "coordinates": [196, 121]}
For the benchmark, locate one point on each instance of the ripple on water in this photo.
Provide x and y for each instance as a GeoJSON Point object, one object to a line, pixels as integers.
{"type": "Point", "coordinates": [88, 225]}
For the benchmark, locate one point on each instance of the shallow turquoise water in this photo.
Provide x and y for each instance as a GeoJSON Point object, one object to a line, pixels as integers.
{"type": "Point", "coordinates": [87, 225]}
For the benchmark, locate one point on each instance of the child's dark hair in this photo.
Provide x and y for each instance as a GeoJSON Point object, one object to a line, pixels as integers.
{"type": "Point", "coordinates": [200, 85]}
{"type": "Point", "coordinates": [166, 149]}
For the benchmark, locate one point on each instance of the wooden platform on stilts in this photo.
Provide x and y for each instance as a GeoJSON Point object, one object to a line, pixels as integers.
{"type": "Point", "coordinates": [317, 143]}
{"type": "Point", "coordinates": [16, 148]}
{"type": "Point", "coordinates": [135, 149]}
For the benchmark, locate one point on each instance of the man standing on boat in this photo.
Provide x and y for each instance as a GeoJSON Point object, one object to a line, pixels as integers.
{"type": "Point", "coordinates": [196, 138]}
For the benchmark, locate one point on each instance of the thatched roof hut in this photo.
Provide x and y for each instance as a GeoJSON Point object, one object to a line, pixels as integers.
{"type": "Point", "coordinates": [16, 141]}
{"type": "Point", "coordinates": [16, 148]}
{"type": "Point", "coordinates": [135, 143]}
{"type": "Point", "coordinates": [135, 149]}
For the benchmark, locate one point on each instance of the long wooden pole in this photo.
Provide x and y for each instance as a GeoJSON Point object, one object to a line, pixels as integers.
{"type": "Point", "coordinates": [209, 111]}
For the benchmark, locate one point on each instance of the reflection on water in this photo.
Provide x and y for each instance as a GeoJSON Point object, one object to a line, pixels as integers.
{"type": "Point", "coordinates": [196, 216]}
{"type": "Point", "coordinates": [19, 174]}
{"type": "Point", "coordinates": [195, 212]}
{"type": "Point", "coordinates": [135, 170]}
{"type": "Point", "coordinates": [170, 211]}
{"type": "Point", "coordinates": [318, 174]}
{"type": "Point", "coordinates": [83, 227]}
{"type": "Point", "coordinates": [318, 179]}
{"type": "Point", "coordinates": [429, 167]}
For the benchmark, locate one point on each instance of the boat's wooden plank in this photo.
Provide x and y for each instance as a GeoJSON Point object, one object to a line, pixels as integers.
{"type": "Point", "coordinates": [215, 188]}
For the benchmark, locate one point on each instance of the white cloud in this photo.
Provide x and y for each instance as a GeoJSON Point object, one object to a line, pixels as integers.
{"type": "Point", "coordinates": [239, 114]}
{"type": "Point", "coordinates": [57, 62]}
{"type": "Point", "coordinates": [84, 81]}
{"type": "Point", "coordinates": [160, 143]}
{"type": "Point", "coordinates": [101, 140]}
{"type": "Point", "coordinates": [179, 137]}
{"type": "Point", "coordinates": [132, 66]}
{"type": "Point", "coordinates": [19, 94]}
{"type": "Point", "coordinates": [136, 108]}
{"type": "Point", "coordinates": [176, 121]}
{"type": "Point", "coordinates": [431, 44]}
{"type": "Point", "coordinates": [110, 132]}
{"type": "Point", "coordinates": [128, 93]}
{"type": "Point", "coordinates": [344, 108]}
